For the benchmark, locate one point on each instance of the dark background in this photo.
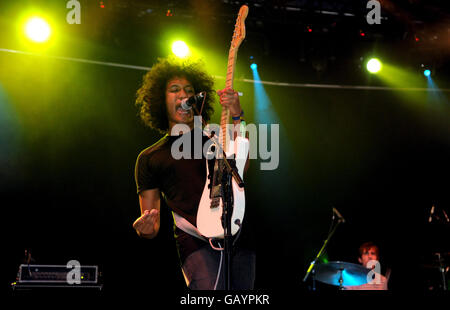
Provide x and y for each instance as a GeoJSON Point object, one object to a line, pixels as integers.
{"type": "Point", "coordinates": [70, 135]}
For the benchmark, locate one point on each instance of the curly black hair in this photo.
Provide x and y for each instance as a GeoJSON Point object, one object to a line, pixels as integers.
{"type": "Point", "coordinates": [151, 96]}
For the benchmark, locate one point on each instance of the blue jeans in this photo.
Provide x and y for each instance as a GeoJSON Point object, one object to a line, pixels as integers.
{"type": "Point", "coordinates": [200, 269]}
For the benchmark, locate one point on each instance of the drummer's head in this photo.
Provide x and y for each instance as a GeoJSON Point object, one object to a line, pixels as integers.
{"type": "Point", "coordinates": [368, 251]}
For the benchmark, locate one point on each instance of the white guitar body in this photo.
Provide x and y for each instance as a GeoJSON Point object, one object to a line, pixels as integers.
{"type": "Point", "coordinates": [209, 220]}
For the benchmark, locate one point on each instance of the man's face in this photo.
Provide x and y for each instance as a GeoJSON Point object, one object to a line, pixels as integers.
{"type": "Point", "coordinates": [368, 255]}
{"type": "Point", "coordinates": [177, 89]}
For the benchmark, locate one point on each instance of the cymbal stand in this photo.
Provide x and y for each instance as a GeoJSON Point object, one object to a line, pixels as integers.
{"type": "Point", "coordinates": [313, 263]}
{"type": "Point", "coordinates": [341, 280]}
{"type": "Point", "coordinates": [442, 271]}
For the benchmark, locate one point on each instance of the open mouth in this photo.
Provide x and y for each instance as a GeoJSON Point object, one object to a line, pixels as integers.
{"type": "Point", "coordinates": [181, 111]}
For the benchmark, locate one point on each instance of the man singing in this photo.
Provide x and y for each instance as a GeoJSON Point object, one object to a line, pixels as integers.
{"type": "Point", "coordinates": [178, 183]}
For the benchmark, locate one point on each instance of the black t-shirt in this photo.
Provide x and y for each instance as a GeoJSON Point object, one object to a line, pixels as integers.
{"type": "Point", "coordinates": [180, 182]}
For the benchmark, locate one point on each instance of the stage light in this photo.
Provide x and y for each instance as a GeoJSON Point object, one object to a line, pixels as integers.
{"type": "Point", "coordinates": [374, 65]}
{"type": "Point", "coordinates": [180, 49]}
{"type": "Point", "coordinates": [253, 64]}
{"type": "Point", "coordinates": [37, 29]}
{"type": "Point", "coordinates": [427, 72]}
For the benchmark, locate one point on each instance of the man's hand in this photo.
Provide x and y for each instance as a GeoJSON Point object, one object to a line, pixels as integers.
{"type": "Point", "coordinates": [147, 225]}
{"type": "Point", "coordinates": [230, 99]}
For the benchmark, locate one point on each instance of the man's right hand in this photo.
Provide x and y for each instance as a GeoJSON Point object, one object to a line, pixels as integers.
{"type": "Point", "coordinates": [147, 225]}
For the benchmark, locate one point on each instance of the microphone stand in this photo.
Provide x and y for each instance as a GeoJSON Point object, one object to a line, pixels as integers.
{"type": "Point", "coordinates": [229, 172]}
{"type": "Point", "coordinates": [313, 263]}
{"type": "Point", "coordinates": [227, 210]}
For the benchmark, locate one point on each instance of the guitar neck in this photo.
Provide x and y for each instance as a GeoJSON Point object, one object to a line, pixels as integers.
{"type": "Point", "coordinates": [232, 55]}
{"type": "Point", "coordinates": [238, 37]}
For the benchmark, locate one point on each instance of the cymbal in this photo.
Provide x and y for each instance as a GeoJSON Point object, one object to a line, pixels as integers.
{"type": "Point", "coordinates": [352, 274]}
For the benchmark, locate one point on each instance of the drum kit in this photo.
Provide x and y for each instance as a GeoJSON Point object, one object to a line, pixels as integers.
{"type": "Point", "coordinates": [436, 264]}
{"type": "Point", "coordinates": [353, 276]}
{"type": "Point", "coordinates": [337, 273]}
{"type": "Point", "coordinates": [434, 271]}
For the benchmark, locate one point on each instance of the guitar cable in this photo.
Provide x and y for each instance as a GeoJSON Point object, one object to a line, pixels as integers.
{"type": "Point", "coordinates": [220, 266]}
{"type": "Point", "coordinates": [237, 222]}
{"type": "Point", "coordinates": [221, 251]}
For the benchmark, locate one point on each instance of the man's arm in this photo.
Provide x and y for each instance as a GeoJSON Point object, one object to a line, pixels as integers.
{"type": "Point", "coordinates": [230, 99]}
{"type": "Point", "coordinates": [147, 225]}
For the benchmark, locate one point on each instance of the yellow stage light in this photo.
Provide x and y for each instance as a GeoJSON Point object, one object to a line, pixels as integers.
{"type": "Point", "coordinates": [37, 29]}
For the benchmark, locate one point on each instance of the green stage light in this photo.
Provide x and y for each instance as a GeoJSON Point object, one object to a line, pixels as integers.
{"type": "Point", "coordinates": [37, 29]}
{"type": "Point", "coordinates": [180, 49]}
{"type": "Point", "coordinates": [374, 65]}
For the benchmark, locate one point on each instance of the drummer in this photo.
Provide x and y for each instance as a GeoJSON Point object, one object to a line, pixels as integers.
{"type": "Point", "coordinates": [369, 258]}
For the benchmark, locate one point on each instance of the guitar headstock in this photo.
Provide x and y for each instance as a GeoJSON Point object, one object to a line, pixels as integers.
{"type": "Point", "coordinates": [239, 28]}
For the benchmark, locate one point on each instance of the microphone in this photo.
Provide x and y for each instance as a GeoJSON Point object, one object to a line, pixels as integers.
{"type": "Point", "coordinates": [186, 103]}
{"type": "Point", "coordinates": [341, 218]}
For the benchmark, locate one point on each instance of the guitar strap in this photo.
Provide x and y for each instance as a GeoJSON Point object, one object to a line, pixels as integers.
{"type": "Point", "coordinates": [187, 227]}
{"type": "Point", "coordinates": [184, 224]}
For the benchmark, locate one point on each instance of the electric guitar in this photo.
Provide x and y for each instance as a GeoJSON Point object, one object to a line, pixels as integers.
{"type": "Point", "coordinates": [209, 214]}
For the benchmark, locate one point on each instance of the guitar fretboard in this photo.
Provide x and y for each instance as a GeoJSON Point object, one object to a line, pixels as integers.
{"type": "Point", "coordinates": [238, 37]}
